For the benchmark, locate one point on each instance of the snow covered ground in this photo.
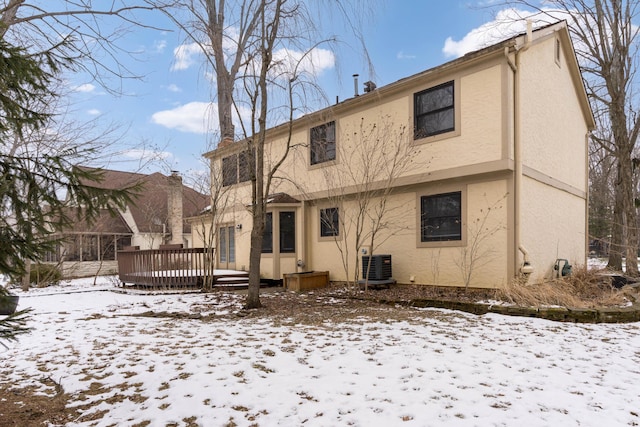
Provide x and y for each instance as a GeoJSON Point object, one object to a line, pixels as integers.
{"type": "Point", "coordinates": [436, 368]}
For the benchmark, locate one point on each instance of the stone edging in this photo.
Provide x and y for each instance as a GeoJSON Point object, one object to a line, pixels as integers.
{"type": "Point", "coordinates": [560, 314]}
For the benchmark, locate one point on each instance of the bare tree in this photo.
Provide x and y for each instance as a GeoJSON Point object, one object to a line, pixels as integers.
{"type": "Point", "coordinates": [606, 38]}
{"type": "Point", "coordinates": [379, 153]}
{"type": "Point", "coordinates": [204, 225]}
{"type": "Point", "coordinates": [601, 168]}
{"type": "Point", "coordinates": [81, 33]}
{"type": "Point", "coordinates": [477, 252]}
{"type": "Point", "coordinates": [259, 51]}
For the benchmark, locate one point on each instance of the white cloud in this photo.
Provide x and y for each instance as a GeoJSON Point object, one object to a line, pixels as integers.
{"type": "Point", "coordinates": [159, 46]}
{"type": "Point", "coordinates": [297, 62]}
{"type": "Point", "coordinates": [508, 23]}
{"type": "Point", "coordinates": [192, 117]}
{"type": "Point", "coordinates": [86, 88]}
{"type": "Point", "coordinates": [94, 112]}
{"type": "Point", "coordinates": [196, 117]}
{"type": "Point", "coordinates": [185, 56]}
{"type": "Point", "coordinates": [402, 55]}
{"type": "Point", "coordinates": [174, 88]}
{"type": "Point", "coordinates": [146, 154]}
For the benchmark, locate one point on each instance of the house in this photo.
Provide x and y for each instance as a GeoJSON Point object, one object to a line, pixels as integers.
{"type": "Point", "coordinates": [159, 207]}
{"type": "Point", "coordinates": [490, 185]}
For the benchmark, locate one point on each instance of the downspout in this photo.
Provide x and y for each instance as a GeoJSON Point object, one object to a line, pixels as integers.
{"type": "Point", "coordinates": [526, 269]}
{"type": "Point", "coordinates": [301, 262]}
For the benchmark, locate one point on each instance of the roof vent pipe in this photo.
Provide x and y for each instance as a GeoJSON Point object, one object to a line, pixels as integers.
{"type": "Point", "coordinates": [355, 84]}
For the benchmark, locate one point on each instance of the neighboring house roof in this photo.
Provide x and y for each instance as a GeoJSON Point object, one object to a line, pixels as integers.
{"type": "Point", "coordinates": [149, 208]}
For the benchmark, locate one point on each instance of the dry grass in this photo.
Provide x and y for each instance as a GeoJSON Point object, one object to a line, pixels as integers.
{"type": "Point", "coordinates": [583, 289]}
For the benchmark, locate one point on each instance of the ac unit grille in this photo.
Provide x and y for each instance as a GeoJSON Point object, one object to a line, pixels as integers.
{"type": "Point", "coordinates": [380, 267]}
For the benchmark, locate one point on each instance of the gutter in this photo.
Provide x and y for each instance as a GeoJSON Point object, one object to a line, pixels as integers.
{"type": "Point", "coordinates": [517, 152]}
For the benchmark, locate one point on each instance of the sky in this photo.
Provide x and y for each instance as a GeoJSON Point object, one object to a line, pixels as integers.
{"type": "Point", "coordinates": [163, 116]}
{"type": "Point", "coordinates": [401, 367]}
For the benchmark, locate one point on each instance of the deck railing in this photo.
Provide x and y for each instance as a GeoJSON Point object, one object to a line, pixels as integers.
{"type": "Point", "coordinates": [167, 267]}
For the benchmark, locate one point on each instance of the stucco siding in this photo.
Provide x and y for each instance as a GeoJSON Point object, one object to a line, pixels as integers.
{"type": "Point", "coordinates": [553, 226]}
{"type": "Point", "coordinates": [480, 138]}
{"type": "Point", "coordinates": [485, 220]}
{"type": "Point", "coordinates": [553, 127]}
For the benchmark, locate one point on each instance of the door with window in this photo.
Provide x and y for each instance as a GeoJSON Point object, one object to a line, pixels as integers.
{"type": "Point", "coordinates": [279, 241]}
{"type": "Point", "coordinates": [227, 247]}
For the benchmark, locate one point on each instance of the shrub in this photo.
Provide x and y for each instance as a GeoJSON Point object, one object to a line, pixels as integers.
{"type": "Point", "coordinates": [582, 289]}
{"type": "Point", "coordinates": [43, 275]}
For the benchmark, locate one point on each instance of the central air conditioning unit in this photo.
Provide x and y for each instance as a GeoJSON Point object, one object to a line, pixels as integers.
{"type": "Point", "coordinates": [380, 268]}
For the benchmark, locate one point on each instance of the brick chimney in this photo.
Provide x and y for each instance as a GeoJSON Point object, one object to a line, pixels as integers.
{"type": "Point", "coordinates": [226, 141]}
{"type": "Point", "coordinates": [174, 208]}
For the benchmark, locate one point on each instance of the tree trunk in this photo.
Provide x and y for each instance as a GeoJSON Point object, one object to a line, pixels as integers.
{"type": "Point", "coordinates": [629, 216]}
{"type": "Point", "coordinates": [26, 278]}
{"type": "Point", "coordinates": [255, 254]}
{"type": "Point", "coordinates": [617, 228]}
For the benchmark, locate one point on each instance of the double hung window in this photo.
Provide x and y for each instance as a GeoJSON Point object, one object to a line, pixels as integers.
{"type": "Point", "coordinates": [323, 143]}
{"type": "Point", "coordinates": [434, 110]}
{"type": "Point", "coordinates": [441, 217]}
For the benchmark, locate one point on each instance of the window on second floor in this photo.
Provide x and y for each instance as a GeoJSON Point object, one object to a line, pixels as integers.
{"type": "Point", "coordinates": [237, 168]}
{"type": "Point", "coordinates": [230, 170]}
{"type": "Point", "coordinates": [434, 110]}
{"type": "Point", "coordinates": [323, 143]}
{"type": "Point", "coordinates": [245, 165]}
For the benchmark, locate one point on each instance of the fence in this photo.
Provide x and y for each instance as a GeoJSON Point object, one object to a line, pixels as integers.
{"type": "Point", "coordinates": [165, 267]}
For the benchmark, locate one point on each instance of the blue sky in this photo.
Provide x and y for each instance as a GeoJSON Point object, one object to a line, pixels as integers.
{"type": "Point", "coordinates": [162, 118]}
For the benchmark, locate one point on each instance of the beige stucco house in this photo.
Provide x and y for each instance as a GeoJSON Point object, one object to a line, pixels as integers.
{"type": "Point", "coordinates": [479, 166]}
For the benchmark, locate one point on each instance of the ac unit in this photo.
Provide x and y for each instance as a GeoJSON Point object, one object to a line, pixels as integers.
{"type": "Point", "coordinates": [380, 267]}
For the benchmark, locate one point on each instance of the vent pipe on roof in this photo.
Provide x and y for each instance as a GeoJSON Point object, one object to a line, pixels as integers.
{"type": "Point", "coordinates": [355, 84]}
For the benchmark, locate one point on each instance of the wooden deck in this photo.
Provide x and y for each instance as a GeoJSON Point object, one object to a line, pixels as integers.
{"type": "Point", "coordinates": [174, 268]}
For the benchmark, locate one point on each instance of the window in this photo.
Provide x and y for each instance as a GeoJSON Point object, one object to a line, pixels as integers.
{"type": "Point", "coordinates": [287, 232]}
{"type": "Point", "coordinates": [227, 249]}
{"type": "Point", "coordinates": [229, 170]}
{"type": "Point", "coordinates": [434, 111]}
{"type": "Point", "coordinates": [329, 222]}
{"type": "Point", "coordinates": [441, 217]}
{"type": "Point", "coordinates": [267, 236]}
{"type": "Point", "coordinates": [323, 143]}
{"type": "Point", "coordinates": [107, 247]}
{"type": "Point", "coordinates": [245, 166]}
{"type": "Point", "coordinates": [237, 168]}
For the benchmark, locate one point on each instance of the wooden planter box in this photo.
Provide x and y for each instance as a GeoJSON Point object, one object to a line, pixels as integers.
{"type": "Point", "coordinates": [306, 281]}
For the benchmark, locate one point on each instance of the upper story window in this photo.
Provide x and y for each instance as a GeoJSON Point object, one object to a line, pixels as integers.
{"type": "Point", "coordinates": [329, 222]}
{"type": "Point", "coordinates": [323, 143]}
{"type": "Point", "coordinates": [237, 168]}
{"type": "Point", "coordinates": [230, 170]}
{"type": "Point", "coordinates": [434, 110]}
{"type": "Point", "coordinates": [441, 217]}
{"type": "Point", "coordinates": [246, 165]}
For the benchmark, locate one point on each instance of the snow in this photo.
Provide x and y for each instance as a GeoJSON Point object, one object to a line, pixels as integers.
{"type": "Point", "coordinates": [436, 368]}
